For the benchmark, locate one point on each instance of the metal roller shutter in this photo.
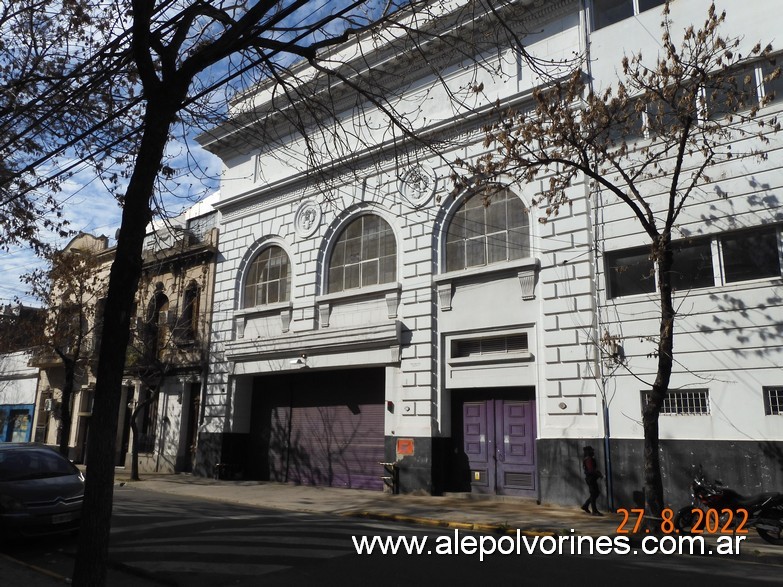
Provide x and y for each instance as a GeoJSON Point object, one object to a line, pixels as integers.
{"type": "Point", "coordinates": [327, 429]}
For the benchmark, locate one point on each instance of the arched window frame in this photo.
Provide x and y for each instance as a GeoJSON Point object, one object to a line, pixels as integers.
{"type": "Point", "coordinates": [509, 239]}
{"type": "Point", "coordinates": [376, 264]}
{"type": "Point", "coordinates": [276, 288]}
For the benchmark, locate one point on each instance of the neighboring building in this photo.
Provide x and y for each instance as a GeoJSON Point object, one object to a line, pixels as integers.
{"type": "Point", "coordinates": [724, 408]}
{"type": "Point", "coordinates": [375, 317]}
{"type": "Point", "coordinates": [167, 355]}
{"type": "Point", "coordinates": [18, 381]}
{"type": "Point", "coordinates": [66, 310]}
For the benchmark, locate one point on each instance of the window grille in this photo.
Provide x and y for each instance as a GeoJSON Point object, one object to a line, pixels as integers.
{"type": "Point", "coordinates": [773, 401]}
{"type": "Point", "coordinates": [694, 402]}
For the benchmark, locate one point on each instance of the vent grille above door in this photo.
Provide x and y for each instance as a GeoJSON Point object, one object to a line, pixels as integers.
{"type": "Point", "coordinates": [490, 345]}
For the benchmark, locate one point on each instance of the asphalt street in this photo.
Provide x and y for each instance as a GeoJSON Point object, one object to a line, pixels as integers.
{"type": "Point", "coordinates": [160, 539]}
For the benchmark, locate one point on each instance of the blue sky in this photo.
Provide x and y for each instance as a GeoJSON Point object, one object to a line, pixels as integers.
{"type": "Point", "coordinates": [88, 207]}
{"type": "Point", "coordinates": [86, 202]}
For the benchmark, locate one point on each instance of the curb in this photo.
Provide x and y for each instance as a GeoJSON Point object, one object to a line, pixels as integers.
{"type": "Point", "coordinates": [434, 522]}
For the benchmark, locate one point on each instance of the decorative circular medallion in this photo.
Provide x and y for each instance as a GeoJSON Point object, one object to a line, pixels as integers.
{"type": "Point", "coordinates": [417, 185]}
{"type": "Point", "coordinates": [307, 218]}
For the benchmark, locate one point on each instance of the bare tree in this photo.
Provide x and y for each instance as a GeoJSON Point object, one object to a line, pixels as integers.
{"type": "Point", "coordinates": [650, 141]}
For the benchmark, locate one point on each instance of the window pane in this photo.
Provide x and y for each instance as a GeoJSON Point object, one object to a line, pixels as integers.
{"type": "Point", "coordinates": [387, 269]}
{"type": "Point", "coordinates": [338, 253]}
{"type": "Point", "coordinates": [608, 12]}
{"type": "Point", "coordinates": [518, 244]}
{"type": "Point", "coordinates": [388, 245]}
{"type": "Point", "coordinates": [351, 277]}
{"type": "Point", "coordinates": [475, 251]}
{"type": "Point", "coordinates": [517, 216]}
{"type": "Point", "coordinates": [354, 230]}
{"type": "Point", "coordinates": [353, 250]}
{"type": "Point", "coordinates": [751, 255]}
{"type": "Point", "coordinates": [285, 286]}
{"type": "Point", "coordinates": [272, 293]}
{"type": "Point", "coordinates": [496, 247]}
{"type": "Point", "coordinates": [630, 272]}
{"type": "Point", "coordinates": [371, 245]}
{"type": "Point", "coordinates": [732, 92]}
{"type": "Point", "coordinates": [250, 296]}
{"type": "Point", "coordinates": [647, 4]}
{"type": "Point", "coordinates": [273, 270]}
{"type": "Point", "coordinates": [474, 220]}
{"type": "Point", "coordinates": [336, 279]}
{"type": "Point", "coordinates": [772, 87]}
{"type": "Point", "coordinates": [496, 215]}
{"type": "Point", "coordinates": [457, 227]}
{"type": "Point", "coordinates": [692, 265]}
{"type": "Point", "coordinates": [455, 256]}
{"type": "Point", "coordinates": [369, 273]}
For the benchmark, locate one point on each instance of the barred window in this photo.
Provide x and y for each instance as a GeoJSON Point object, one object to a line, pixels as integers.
{"type": "Point", "coordinates": [268, 279]}
{"type": "Point", "coordinates": [365, 254]}
{"type": "Point", "coordinates": [694, 402]}
{"type": "Point", "coordinates": [488, 229]}
{"type": "Point", "coordinates": [773, 401]}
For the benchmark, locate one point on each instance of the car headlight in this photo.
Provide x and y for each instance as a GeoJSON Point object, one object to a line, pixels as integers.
{"type": "Point", "coordinates": [10, 504]}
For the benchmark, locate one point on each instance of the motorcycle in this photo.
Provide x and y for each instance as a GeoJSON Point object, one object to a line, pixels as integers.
{"type": "Point", "coordinates": [716, 508]}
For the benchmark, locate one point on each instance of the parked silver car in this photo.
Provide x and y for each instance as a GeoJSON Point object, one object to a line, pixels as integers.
{"type": "Point", "coordinates": [40, 491]}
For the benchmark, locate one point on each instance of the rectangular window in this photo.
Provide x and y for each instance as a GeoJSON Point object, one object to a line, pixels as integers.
{"type": "Point", "coordinates": [606, 12]}
{"type": "Point", "coordinates": [630, 272]}
{"type": "Point", "coordinates": [732, 91]}
{"type": "Point", "coordinates": [692, 266]}
{"type": "Point", "coordinates": [695, 402]}
{"type": "Point", "coordinates": [773, 401]}
{"type": "Point", "coordinates": [751, 255]}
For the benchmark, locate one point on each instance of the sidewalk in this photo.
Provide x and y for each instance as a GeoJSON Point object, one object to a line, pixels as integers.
{"type": "Point", "coordinates": [460, 511]}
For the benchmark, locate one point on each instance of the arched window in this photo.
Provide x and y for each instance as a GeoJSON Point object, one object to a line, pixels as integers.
{"type": "Point", "coordinates": [365, 254]}
{"type": "Point", "coordinates": [488, 228]}
{"type": "Point", "coordinates": [268, 279]}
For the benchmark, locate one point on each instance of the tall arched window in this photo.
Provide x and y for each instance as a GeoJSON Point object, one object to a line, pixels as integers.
{"type": "Point", "coordinates": [365, 254]}
{"type": "Point", "coordinates": [488, 228]}
{"type": "Point", "coordinates": [268, 278]}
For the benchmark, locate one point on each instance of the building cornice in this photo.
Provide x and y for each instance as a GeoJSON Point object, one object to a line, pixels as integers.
{"type": "Point", "coordinates": [386, 63]}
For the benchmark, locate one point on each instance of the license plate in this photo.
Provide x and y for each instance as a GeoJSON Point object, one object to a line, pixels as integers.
{"type": "Point", "coordinates": [62, 518]}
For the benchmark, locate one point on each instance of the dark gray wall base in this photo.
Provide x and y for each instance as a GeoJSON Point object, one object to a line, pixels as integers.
{"type": "Point", "coordinates": [425, 470]}
{"type": "Point", "coordinates": [560, 476]}
{"type": "Point", "coordinates": [226, 449]}
{"type": "Point", "coordinates": [746, 466]}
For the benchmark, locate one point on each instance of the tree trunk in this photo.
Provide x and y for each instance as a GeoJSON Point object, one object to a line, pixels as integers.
{"type": "Point", "coordinates": [134, 447]}
{"type": "Point", "coordinates": [92, 555]}
{"type": "Point", "coordinates": [66, 414]}
{"type": "Point", "coordinates": [653, 481]}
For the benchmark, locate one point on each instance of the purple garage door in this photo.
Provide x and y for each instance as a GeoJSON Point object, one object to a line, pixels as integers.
{"type": "Point", "coordinates": [499, 441]}
{"type": "Point", "coordinates": [327, 429]}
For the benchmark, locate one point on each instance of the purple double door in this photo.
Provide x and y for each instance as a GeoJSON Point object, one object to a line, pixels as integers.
{"type": "Point", "coordinates": [498, 436]}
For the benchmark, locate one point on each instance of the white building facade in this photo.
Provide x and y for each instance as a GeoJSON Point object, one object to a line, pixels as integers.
{"type": "Point", "coordinates": [377, 317]}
